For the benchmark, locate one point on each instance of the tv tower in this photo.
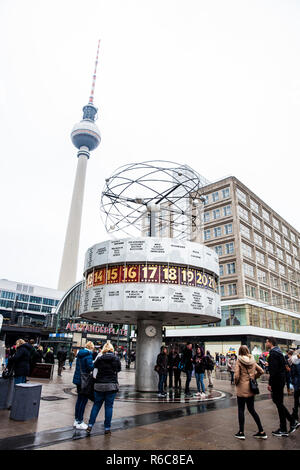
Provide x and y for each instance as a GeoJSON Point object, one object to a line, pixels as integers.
{"type": "Point", "coordinates": [86, 137]}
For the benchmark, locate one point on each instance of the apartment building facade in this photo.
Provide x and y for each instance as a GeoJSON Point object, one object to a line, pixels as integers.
{"type": "Point", "coordinates": [259, 259]}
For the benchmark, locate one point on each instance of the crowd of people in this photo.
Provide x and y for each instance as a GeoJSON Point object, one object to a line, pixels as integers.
{"type": "Point", "coordinates": [105, 364]}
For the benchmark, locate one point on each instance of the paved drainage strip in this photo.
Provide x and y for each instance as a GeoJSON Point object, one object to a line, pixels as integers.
{"type": "Point", "coordinates": [59, 435]}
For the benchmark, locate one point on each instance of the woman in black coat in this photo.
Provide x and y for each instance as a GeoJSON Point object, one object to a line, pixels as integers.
{"type": "Point", "coordinates": [20, 362]}
{"type": "Point", "coordinates": [106, 368]}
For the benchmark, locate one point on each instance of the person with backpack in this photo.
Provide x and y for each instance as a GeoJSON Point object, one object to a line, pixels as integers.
{"type": "Point", "coordinates": [61, 357]}
{"type": "Point", "coordinates": [277, 370]}
{"type": "Point", "coordinates": [245, 369]}
{"type": "Point", "coordinates": [209, 366]}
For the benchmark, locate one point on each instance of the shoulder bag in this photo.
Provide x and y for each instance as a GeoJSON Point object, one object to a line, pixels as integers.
{"type": "Point", "coordinates": [253, 384]}
{"type": "Point", "coordinates": [86, 382]}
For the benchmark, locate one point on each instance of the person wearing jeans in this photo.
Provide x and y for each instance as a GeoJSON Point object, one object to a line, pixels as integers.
{"type": "Point", "coordinates": [199, 362]}
{"type": "Point", "coordinates": [106, 368]}
{"type": "Point", "coordinates": [84, 364]}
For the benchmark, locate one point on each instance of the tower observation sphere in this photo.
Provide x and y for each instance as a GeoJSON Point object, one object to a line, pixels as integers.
{"type": "Point", "coordinates": [86, 133]}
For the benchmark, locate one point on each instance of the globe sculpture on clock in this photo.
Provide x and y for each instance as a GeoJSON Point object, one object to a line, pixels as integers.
{"type": "Point", "coordinates": [153, 272]}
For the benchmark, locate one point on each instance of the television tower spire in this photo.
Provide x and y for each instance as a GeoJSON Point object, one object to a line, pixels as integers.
{"type": "Point", "coordinates": [86, 137]}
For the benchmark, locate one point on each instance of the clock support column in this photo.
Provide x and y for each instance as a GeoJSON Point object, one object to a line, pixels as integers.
{"type": "Point", "coordinates": [147, 349]}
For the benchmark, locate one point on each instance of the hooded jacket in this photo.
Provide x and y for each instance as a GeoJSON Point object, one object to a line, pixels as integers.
{"type": "Point", "coordinates": [106, 369]}
{"type": "Point", "coordinates": [85, 361]}
{"type": "Point", "coordinates": [277, 368]}
{"type": "Point", "coordinates": [295, 371]}
{"type": "Point", "coordinates": [245, 369]}
{"type": "Point", "coordinates": [21, 361]}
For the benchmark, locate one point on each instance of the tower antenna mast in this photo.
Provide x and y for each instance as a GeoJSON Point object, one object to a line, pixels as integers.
{"type": "Point", "coordinates": [91, 99]}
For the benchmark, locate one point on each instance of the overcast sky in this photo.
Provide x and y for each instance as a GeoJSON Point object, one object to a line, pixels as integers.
{"type": "Point", "coordinates": [214, 84]}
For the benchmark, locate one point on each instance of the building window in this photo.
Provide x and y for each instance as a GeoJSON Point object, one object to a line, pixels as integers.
{"type": "Point", "coordinates": [285, 286]}
{"type": "Point", "coordinates": [207, 234]}
{"type": "Point", "coordinates": [271, 264]}
{"type": "Point", "coordinates": [229, 247]}
{"type": "Point", "coordinates": [268, 231]}
{"type": "Point", "coordinates": [216, 213]}
{"type": "Point", "coordinates": [248, 270]}
{"type": "Point", "coordinates": [6, 303]}
{"type": "Point", "coordinates": [289, 260]}
{"type": "Point", "coordinates": [276, 299]}
{"type": "Point", "coordinates": [206, 216]}
{"type": "Point", "coordinates": [291, 274]}
{"type": "Point", "coordinates": [256, 222]}
{"type": "Point", "coordinates": [36, 300]}
{"type": "Point", "coordinates": [274, 281]}
{"type": "Point", "coordinates": [258, 239]}
{"type": "Point", "coordinates": [246, 250]}
{"type": "Point", "coordinates": [281, 268]}
{"type": "Point", "coordinates": [266, 215]}
{"type": "Point", "coordinates": [293, 237]}
{"type": "Point", "coordinates": [279, 253]}
{"type": "Point", "coordinates": [225, 192]}
{"type": "Point", "coordinates": [287, 244]}
{"type": "Point", "coordinates": [222, 291]}
{"type": "Point", "coordinates": [215, 196]}
{"type": "Point", "coordinates": [243, 213]}
{"type": "Point", "coordinates": [295, 250]}
{"type": "Point", "coordinates": [217, 231]}
{"type": "Point", "coordinates": [269, 247]}
{"type": "Point", "coordinates": [254, 206]}
{"type": "Point", "coordinates": [231, 289]}
{"type": "Point", "coordinates": [260, 257]}
{"type": "Point", "coordinates": [230, 268]}
{"type": "Point", "coordinates": [34, 308]}
{"type": "Point", "coordinates": [285, 230]}
{"type": "Point", "coordinates": [219, 250]}
{"type": "Point", "coordinates": [278, 238]}
{"type": "Point", "coordinates": [227, 210]}
{"type": "Point", "coordinates": [276, 223]}
{"type": "Point", "coordinates": [7, 295]}
{"type": "Point", "coordinates": [245, 231]}
{"type": "Point", "coordinates": [264, 295]}
{"type": "Point", "coordinates": [23, 297]}
{"type": "Point", "coordinates": [250, 291]}
{"type": "Point", "coordinates": [262, 276]}
{"type": "Point", "coordinates": [241, 196]}
{"type": "Point", "coordinates": [297, 264]}
{"type": "Point", "coordinates": [221, 267]}
{"type": "Point", "coordinates": [228, 229]}
{"type": "Point", "coordinates": [205, 199]}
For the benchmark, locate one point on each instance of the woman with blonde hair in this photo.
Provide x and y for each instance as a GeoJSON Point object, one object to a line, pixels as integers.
{"type": "Point", "coordinates": [84, 364]}
{"type": "Point", "coordinates": [106, 368]}
{"type": "Point", "coordinates": [245, 369]}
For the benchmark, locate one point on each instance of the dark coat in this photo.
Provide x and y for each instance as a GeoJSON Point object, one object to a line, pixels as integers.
{"type": "Point", "coordinates": [21, 361]}
{"type": "Point", "coordinates": [49, 357]}
{"type": "Point", "coordinates": [61, 356]}
{"type": "Point", "coordinates": [162, 362]}
{"type": "Point", "coordinates": [277, 368]}
{"type": "Point", "coordinates": [108, 366]}
{"type": "Point", "coordinates": [85, 361]}
{"type": "Point", "coordinates": [187, 357]}
{"type": "Point", "coordinates": [200, 364]}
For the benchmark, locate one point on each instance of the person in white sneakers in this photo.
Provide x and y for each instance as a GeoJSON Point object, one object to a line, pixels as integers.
{"type": "Point", "coordinates": [84, 364]}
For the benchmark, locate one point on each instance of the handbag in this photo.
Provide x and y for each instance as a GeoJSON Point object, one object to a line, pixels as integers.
{"type": "Point", "coordinates": [157, 368]}
{"type": "Point", "coordinates": [7, 373]}
{"type": "Point", "coordinates": [86, 382]}
{"type": "Point", "coordinates": [253, 384]}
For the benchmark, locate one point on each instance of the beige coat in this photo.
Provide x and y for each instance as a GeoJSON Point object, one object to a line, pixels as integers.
{"type": "Point", "coordinates": [241, 377]}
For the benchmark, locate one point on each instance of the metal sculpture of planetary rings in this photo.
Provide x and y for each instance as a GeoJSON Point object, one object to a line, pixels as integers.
{"type": "Point", "coordinates": [153, 198]}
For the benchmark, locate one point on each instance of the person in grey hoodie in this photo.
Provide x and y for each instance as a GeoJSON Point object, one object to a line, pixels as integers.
{"type": "Point", "coordinates": [294, 362]}
{"type": "Point", "coordinates": [276, 385]}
